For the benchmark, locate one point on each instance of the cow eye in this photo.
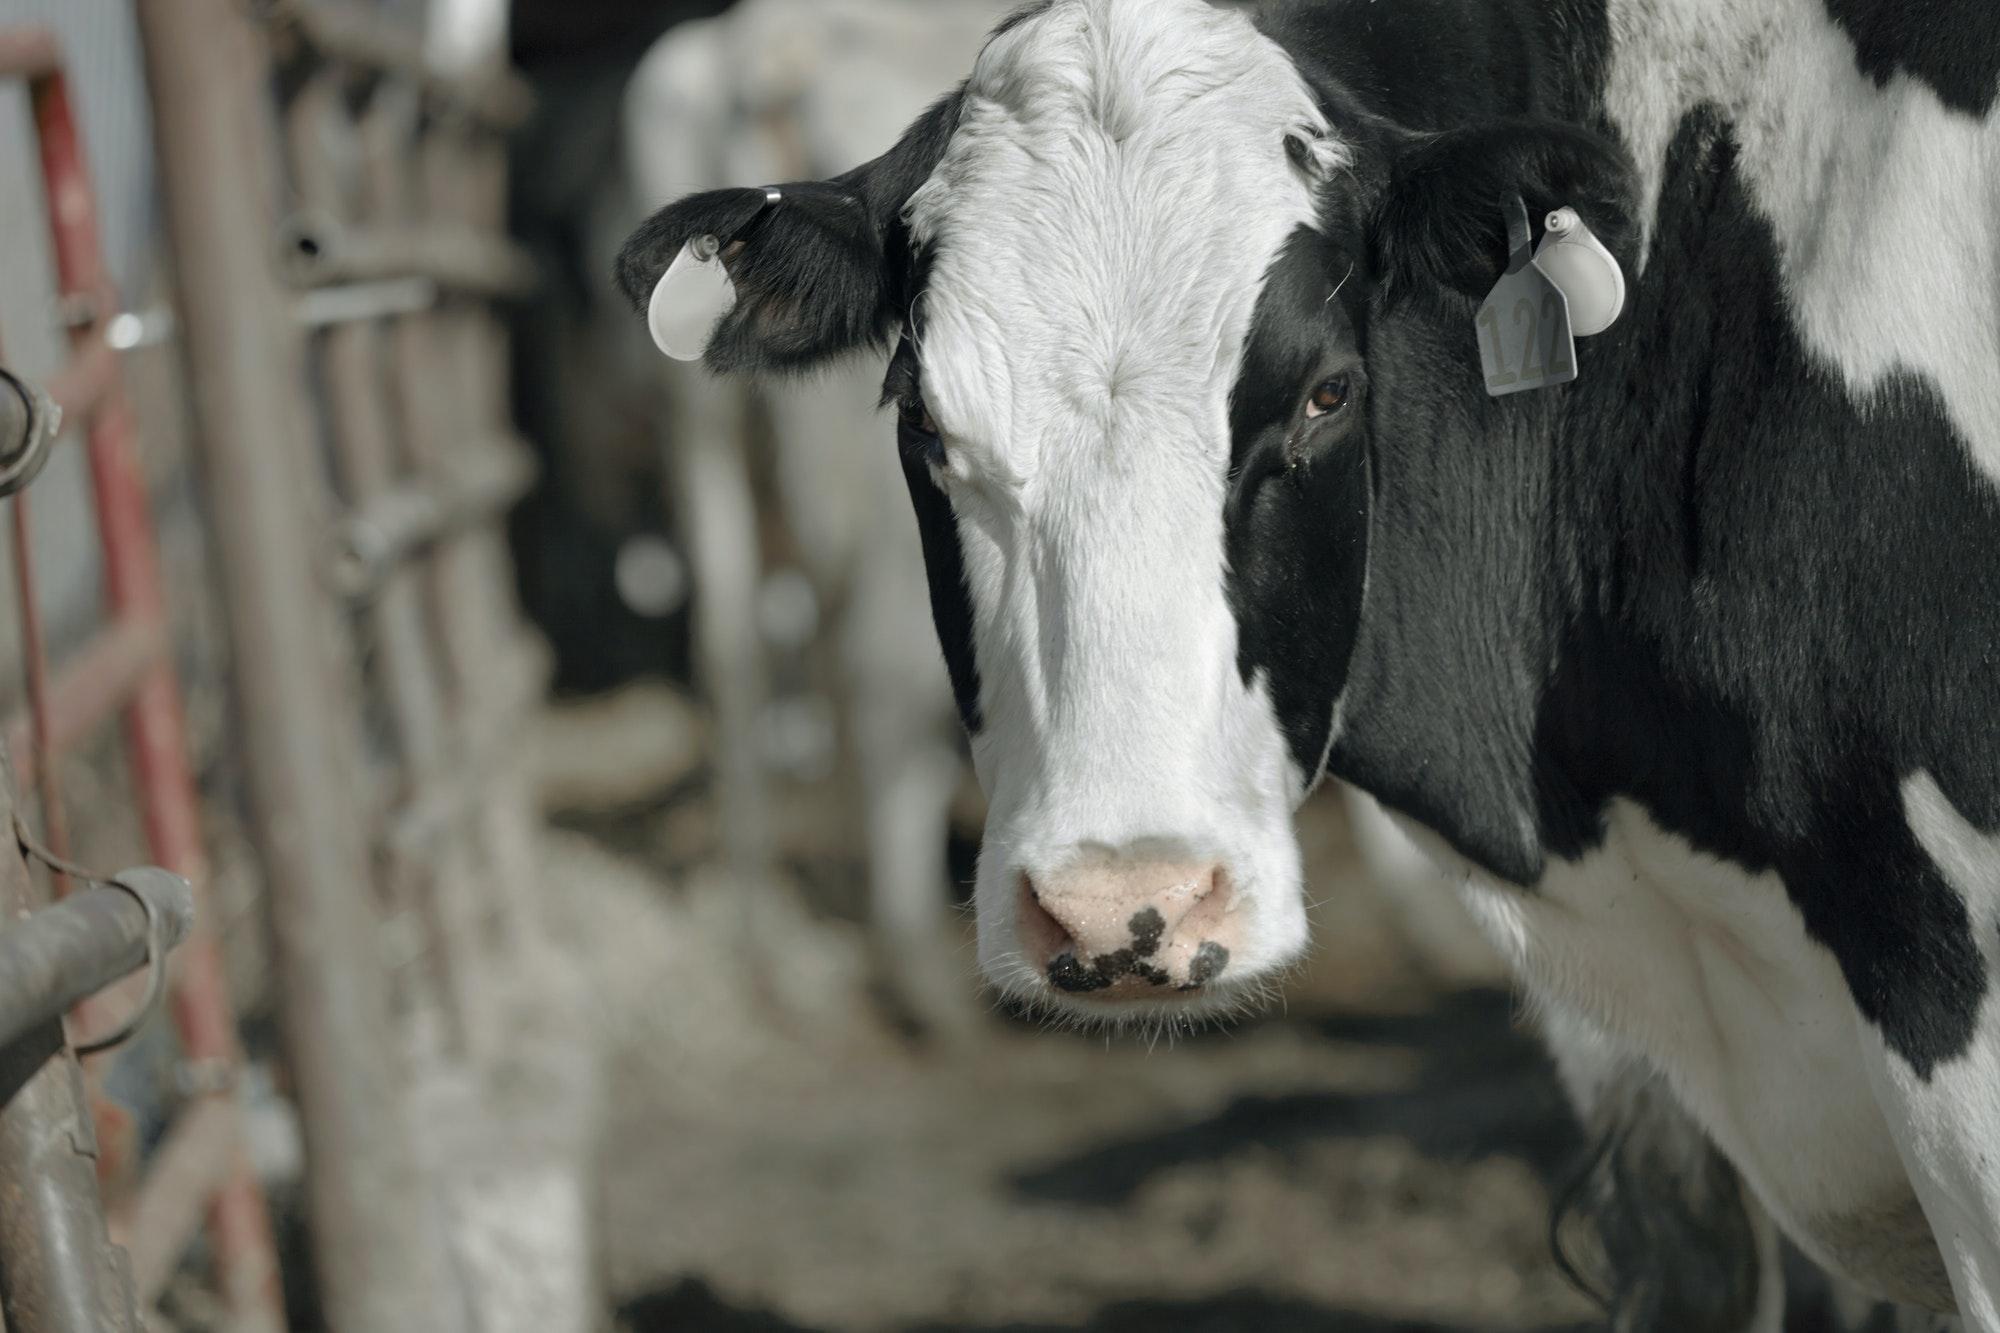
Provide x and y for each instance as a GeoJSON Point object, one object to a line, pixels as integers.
{"type": "Point", "coordinates": [1328, 397]}
{"type": "Point", "coordinates": [920, 430]}
{"type": "Point", "coordinates": [917, 418]}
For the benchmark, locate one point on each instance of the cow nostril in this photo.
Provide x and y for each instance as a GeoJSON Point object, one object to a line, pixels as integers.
{"type": "Point", "coordinates": [1126, 927]}
{"type": "Point", "coordinates": [1041, 934]}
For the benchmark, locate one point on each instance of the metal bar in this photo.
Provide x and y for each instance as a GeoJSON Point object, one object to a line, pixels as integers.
{"type": "Point", "coordinates": [359, 302]}
{"type": "Point", "coordinates": [82, 385]}
{"type": "Point", "coordinates": [246, 1257]}
{"type": "Point", "coordinates": [319, 252]}
{"type": "Point", "coordinates": [17, 417]}
{"type": "Point", "coordinates": [28, 53]}
{"type": "Point", "coordinates": [59, 1272]}
{"type": "Point", "coordinates": [55, 831]}
{"type": "Point", "coordinates": [462, 179]}
{"type": "Point", "coordinates": [53, 958]}
{"type": "Point", "coordinates": [378, 1260]}
{"type": "Point", "coordinates": [323, 133]}
{"type": "Point", "coordinates": [489, 754]}
{"type": "Point", "coordinates": [92, 686]}
{"type": "Point", "coordinates": [392, 525]}
{"type": "Point", "coordinates": [433, 441]}
{"type": "Point", "coordinates": [351, 35]}
{"type": "Point", "coordinates": [157, 1223]}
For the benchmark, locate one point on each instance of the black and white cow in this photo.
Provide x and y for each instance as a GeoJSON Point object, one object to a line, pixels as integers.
{"type": "Point", "coordinates": [1691, 668]}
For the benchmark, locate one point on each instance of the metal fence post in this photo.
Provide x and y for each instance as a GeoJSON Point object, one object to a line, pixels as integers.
{"type": "Point", "coordinates": [379, 1260]}
{"type": "Point", "coordinates": [59, 1272]}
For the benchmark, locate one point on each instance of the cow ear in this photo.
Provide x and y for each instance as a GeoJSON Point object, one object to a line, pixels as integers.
{"type": "Point", "coordinates": [1441, 219]}
{"type": "Point", "coordinates": [819, 272]}
{"type": "Point", "coordinates": [810, 272]}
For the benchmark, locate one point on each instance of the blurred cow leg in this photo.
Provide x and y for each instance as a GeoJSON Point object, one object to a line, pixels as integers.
{"type": "Point", "coordinates": [1685, 1244]}
{"type": "Point", "coordinates": [718, 519]}
{"type": "Point", "coordinates": [845, 502]}
{"type": "Point", "coordinates": [680, 134]}
{"type": "Point", "coordinates": [778, 90]}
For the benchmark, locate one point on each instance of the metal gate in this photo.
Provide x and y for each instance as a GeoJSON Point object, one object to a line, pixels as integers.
{"type": "Point", "coordinates": [335, 202]}
{"type": "Point", "coordinates": [58, 1270]}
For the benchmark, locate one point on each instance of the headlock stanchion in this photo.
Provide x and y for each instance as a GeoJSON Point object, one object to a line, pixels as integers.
{"type": "Point", "coordinates": [58, 1271]}
{"type": "Point", "coordinates": [335, 201]}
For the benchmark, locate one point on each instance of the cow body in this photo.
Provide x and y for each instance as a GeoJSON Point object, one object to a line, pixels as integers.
{"type": "Point", "coordinates": [1687, 669]}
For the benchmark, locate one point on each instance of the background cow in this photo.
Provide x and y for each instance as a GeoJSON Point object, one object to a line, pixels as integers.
{"type": "Point", "coordinates": [778, 89]}
{"type": "Point", "coordinates": [1686, 669]}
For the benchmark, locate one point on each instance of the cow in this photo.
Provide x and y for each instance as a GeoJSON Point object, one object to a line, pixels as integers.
{"type": "Point", "coordinates": [1685, 668]}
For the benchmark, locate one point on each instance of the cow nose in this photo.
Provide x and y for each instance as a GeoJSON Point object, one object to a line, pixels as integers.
{"type": "Point", "coordinates": [1129, 929]}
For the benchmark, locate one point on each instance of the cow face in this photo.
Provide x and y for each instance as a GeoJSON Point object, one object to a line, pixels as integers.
{"type": "Point", "coordinates": [1127, 273]}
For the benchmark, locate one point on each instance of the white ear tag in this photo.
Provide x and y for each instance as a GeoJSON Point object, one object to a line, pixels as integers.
{"type": "Point", "coordinates": [1588, 274]}
{"type": "Point", "coordinates": [692, 295]}
{"type": "Point", "coordinates": [1523, 324]}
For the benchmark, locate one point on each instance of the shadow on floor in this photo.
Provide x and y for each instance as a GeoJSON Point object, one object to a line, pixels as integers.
{"type": "Point", "coordinates": [691, 1305]}
{"type": "Point", "coordinates": [1486, 1089]}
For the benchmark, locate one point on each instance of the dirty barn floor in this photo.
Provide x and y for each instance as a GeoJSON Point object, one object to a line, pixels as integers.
{"type": "Point", "coordinates": [1376, 1158]}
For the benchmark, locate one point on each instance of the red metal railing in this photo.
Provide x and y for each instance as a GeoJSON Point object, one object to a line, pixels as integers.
{"type": "Point", "coordinates": [127, 667]}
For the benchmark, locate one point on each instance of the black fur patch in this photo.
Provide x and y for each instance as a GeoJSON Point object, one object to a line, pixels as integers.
{"type": "Point", "coordinates": [1295, 525]}
{"type": "Point", "coordinates": [1442, 219]}
{"type": "Point", "coordinates": [825, 272]}
{"type": "Point", "coordinates": [1951, 46]}
{"type": "Point", "coordinates": [1787, 599]}
{"type": "Point", "coordinates": [951, 604]}
{"type": "Point", "coordinates": [1704, 577]}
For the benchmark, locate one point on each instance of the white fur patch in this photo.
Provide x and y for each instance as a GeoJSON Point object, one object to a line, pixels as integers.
{"type": "Point", "coordinates": [1706, 973]}
{"type": "Point", "coordinates": [1886, 204]}
{"type": "Point", "coordinates": [1949, 1128]}
{"type": "Point", "coordinates": [1103, 221]}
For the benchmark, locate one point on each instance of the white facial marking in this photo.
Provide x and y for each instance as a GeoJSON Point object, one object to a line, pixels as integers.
{"type": "Point", "coordinates": [1883, 200]}
{"type": "Point", "coordinates": [1102, 223]}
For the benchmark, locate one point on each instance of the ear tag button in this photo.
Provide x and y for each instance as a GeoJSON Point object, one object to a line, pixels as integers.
{"type": "Point", "coordinates": [691, 297]}
{"type": "Point", "coordinates": [1523, 324]}
{"type": "Point", "coordinates": [1588, 274]}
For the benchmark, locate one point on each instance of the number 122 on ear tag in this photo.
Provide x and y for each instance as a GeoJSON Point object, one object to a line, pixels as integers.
{"type": "Point", "coordinates": [1523, 325]}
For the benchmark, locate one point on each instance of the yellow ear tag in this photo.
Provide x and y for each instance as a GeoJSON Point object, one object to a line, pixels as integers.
{"type": "Point", "coordinates": [691, 297]}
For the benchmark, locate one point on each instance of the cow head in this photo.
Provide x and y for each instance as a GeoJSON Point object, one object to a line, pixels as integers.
{"type": "Point", "coordinates": [1132, 275]}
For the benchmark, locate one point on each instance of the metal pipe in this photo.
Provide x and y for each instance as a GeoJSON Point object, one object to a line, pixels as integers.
{"type": "Point", "coordinates": [90, 686]}
{"type": "Point", "coordinates": [379, 1259]}
{"type": "Point", "coordinates": [323, 134]}
{"type": "Point", "coordinates": [59, 1272]}
{"type": "Point", "coordinates": [54, 957]}
{"type": "Point", "coordinates": [246, 1265]}
{"type": "Point", "coordinates": [17, 416]}
{"type": "Point", "coordinates": [360, 302]}
{"type": "Point", "coordinates": [29, 421]}
{"type": "Point", "coordinates": [81, 385]}
{"type": "Point", "coordinates": [156, 1224]}
{"type": "Point", "coordinates": [28, 53]}
{"type": "Point", "coordinates": [348, 34]}
{"type": "Point", "coordinates": [394, 524]}
{"type": "Point", "coordinates": [316, 251]}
